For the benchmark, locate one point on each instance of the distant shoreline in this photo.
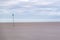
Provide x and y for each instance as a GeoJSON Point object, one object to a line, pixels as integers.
{"type": "Point", "coordinates": [30, 22]}
{"type": "Point", "coordinates": [55, 24]}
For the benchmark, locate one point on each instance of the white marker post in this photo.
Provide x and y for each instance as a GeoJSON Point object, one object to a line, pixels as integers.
{"type": "Point", "coordinates": [13, 19]}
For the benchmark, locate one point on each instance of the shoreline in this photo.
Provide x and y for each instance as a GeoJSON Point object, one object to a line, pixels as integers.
{"type": "Point", "coordinates": [31, 24]}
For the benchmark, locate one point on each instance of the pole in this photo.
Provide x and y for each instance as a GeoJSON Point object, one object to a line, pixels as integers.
{"type": "Point", "coordinates": [13, 19]}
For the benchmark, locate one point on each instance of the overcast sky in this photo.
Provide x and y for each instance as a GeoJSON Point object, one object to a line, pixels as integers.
{"type": "Point", "coordinates": [30, 10]}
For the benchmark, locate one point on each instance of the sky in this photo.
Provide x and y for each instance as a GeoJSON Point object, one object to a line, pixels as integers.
{"type": "Point", "coordinates": [30, 10]}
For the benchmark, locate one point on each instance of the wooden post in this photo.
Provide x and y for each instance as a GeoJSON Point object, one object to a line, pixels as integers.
{"type": "Point", "coordinates": [13, 19]}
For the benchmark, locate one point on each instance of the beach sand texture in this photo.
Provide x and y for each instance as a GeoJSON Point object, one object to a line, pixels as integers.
{"type": "Point", "coordinates": [30, 31]}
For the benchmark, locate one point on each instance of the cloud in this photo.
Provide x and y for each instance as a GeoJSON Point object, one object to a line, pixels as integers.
{"type": "Point", "coordinates": [14, 2]}
{"type": "Point", "coordinates": [38, 9]}
{"type": "Point", "coordinates": [43, 3]}
{"type": "Point", "coordinates": [8, 3]}
{"type": "Point", "coordinates": [11, 2]}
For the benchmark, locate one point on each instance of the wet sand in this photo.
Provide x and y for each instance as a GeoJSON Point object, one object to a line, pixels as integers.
{"type": "Point", "coordinates": [30, 31]}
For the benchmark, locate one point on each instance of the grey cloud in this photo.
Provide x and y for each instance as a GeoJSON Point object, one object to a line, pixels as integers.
{"type": "Point", "coordinates": [3, 0]}
{"type": "Point", "coordinates": [29, 12]}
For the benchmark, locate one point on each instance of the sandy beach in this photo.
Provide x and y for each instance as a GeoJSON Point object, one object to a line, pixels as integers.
{"type": "Point", "coordinates": [30, 31]}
